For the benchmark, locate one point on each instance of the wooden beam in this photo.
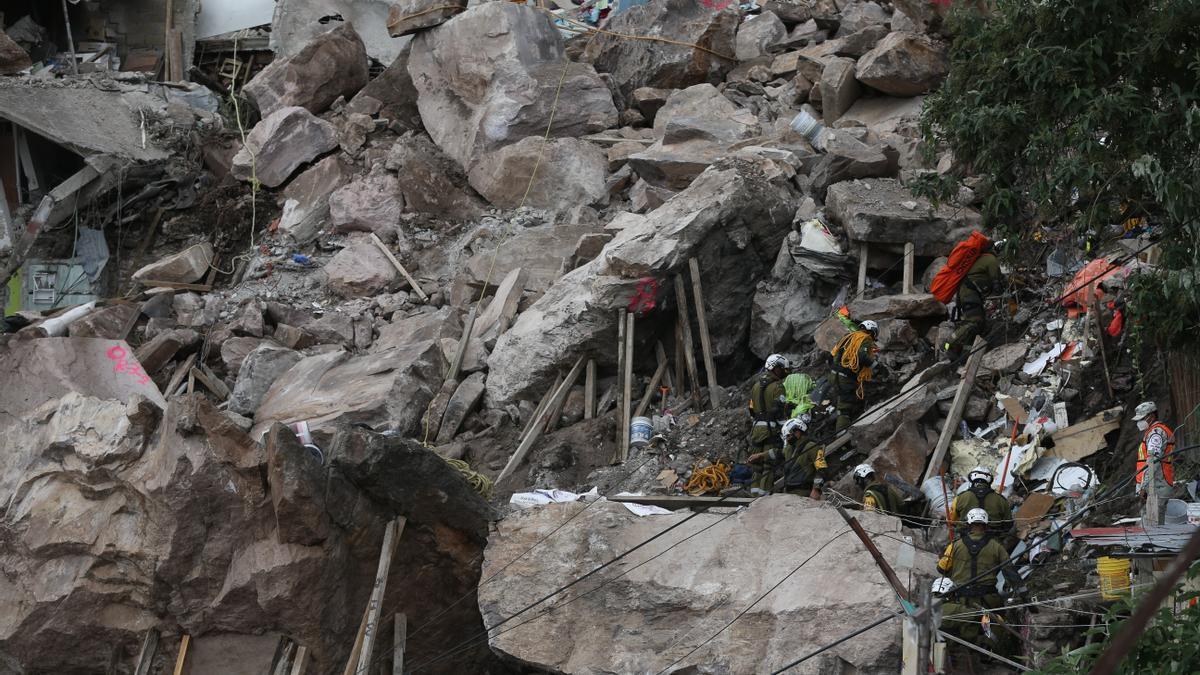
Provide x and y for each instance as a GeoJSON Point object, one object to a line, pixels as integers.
{"type": "Point", "coordinates": [888, 572]}
{"type": "Point", "coordinates": [300, 662]}
{"type": "Point", "coordinates": [626, 390]}
{"type": "Point", "coordinates": [180, 373]}
{"type": "Point", "coordinates": [589, 390]}
{"type": "Point", "coordinates": [146, 655]}
{"type": "Point", "coordinates": [181, 658]}
{"type": "Point", "coordinates": [685, 332]}
{"type": "Point", "coordinates": [177, 285]}
{"type": "Point", "coordinates": [863, 250]}
{"type": "Point", "coordinates": [461, 350]}
{"type": "Point", "coordinates": [621, 423]}
{"type": "Point", "coordinates": [358, 640]}
{"type": "Point", "coordinates": [910, 263]}
{"type": "Point", "coordinates": [680, 377]}
{"type": "Point", "coordinates": [400, 268]}
{"type": "Point", "coordinates": [541, 407]}
{"type": "Point", "coordinates": [660, 355]}
{"type": "Point", "coordinates": [210, 381]}
{"type": "Point", "coordinates": [956, 409]}
{"type": "Point", "coordinates": [391, 535]}
{"type": "Point", "coordinates": [681, 501]}
{"type": "Point", "coordinates": [125, 329]}
{"type": "Point", "coordinates": [539, 423]}
{"type": "Point", "coordinates": [650, 389]}
{"type": "Point", "coordinates": [715, 395]}
{"type": "Point", "coordinates": [399, 643]}
{"type": "Point", "coordinates": [1094, 310]}
{"type": "Point", "coordinates": [554, 412]}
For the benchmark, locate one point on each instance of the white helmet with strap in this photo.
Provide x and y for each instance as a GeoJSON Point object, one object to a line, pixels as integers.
{"type": "Point", "coordinates": [979, 474]}
{"type": "Point", "coordinates": [776, 361]}
{"type": "Point", "coordinates": [870, 326]}
{"type": "Point", "coordinates": [791, 425]}
{"type": "Point", "coordinates": [863, 470]}
{"type": "Point", "coordinates": [942, 586]}
{"type": "Point", "coordinates": [977, 516]}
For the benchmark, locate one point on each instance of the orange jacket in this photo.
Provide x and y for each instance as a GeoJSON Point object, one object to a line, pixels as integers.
{"type": "Point", "coordinates": [1158, 440]}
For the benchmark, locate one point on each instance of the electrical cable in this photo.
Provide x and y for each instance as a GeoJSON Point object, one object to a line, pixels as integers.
{"type": "Point", "coordinates": [880, 621]}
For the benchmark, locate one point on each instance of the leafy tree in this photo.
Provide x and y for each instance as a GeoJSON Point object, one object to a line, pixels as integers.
{"type": "Point", "coordinates": [1084, 113]}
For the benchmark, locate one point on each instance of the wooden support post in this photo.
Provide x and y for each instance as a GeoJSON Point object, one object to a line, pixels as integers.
{"type": "Point", "coordinates": [399, 268]}
{"type": "Point", "coordinates": [910, 263]}
{"type": "Point", "coordinates": [399, 642]}
{"type": "Point", "coordinates": [146, 656]}
{"type": "Point", "coordinates": [626, 391]}
{"type": "Point", "coordinates": [539, 423]}
{"type": "Point", "coordinates": [680, 377]}
{"type": "Point", "coordinates": [660, 355]}
{"type": "Point", "coordinates": [685, 331]}
{"type": "Point", "coordinates": [300, 662]}
{"type": "Point", "coordinates": [358, 640]}
{"type": "Point", "coordinates": [180, 373]}
{"type": "Point", "coordinates": [284, 653]}
{"type": "Point", "coordinates": [181, 658]}
{"type": "Point", "coordinates": [888, 572]}
{"type": "Point", "coordinates": [621, 423]}
{"type": "Point", "coordinates": [390, 536]}
{"type": "Point", "coordinates": [715, 395]}
{"type": "Point", "coordinates": [554, 412]}
{"type": "Point", "coordinates": [589, 390]}
{"type": "Point", "coordinates": [650, 389]}
{"type": "Point", "coordinates": [71, 39]}
{"type": "Point", "coordinates": [541, 407]}
{"type": "Point", "coordinates": [862, 266]}
{"type": "Point", "coordinates": [1094, 310]}
{"type": "Point", "coordinates": [468, 326]}
{"type": "Point", "coordinates": [956, 409]}
{"type": "Point", "coordinates": [210, 381]}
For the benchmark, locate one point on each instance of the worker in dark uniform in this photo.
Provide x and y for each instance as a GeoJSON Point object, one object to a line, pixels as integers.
{"type": "Point", "coordinates": [983, 279]}
{"type": "Point", "coordinates": [853, 357]}
{"type": "Point", "coordinates": [768, 410]}
{"type": "Point", "coordinates": [801, 461]}
{"type": "Point", "coordinates": [981, 496]}
{"type": "Point", "coordinates": [972, 562]}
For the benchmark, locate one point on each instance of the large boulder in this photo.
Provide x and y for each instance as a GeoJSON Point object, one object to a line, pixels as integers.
{"type": "Point", "coordinates": [648, 607]}
{"type": "Point", "coordinates": [490, 76]}
{"type": "Point", "coordinates": [903, 64]}
{"type": "Point", "coordinates": [846, 158]}
{"type": "Point", "coordinates": [859, 14]}
{"type": "Point", "coordinates": [306, 198]}
{"type": "Point", "coordinates": [648, 63]}
{"type": "Point", "coordinates": [281, 143]}
{"type": "Point", "coordinates": [410, 16]}
{"type": "Point", "coordinates": [188, 266]}
{"type": "Point", "coordinates": [391, 95]}
{"type": "Point", "coordinates": [13, 59]}
{"type": "Point", "coordinates": [540, 251]}
{"type": "Point", "coordinates": [787, 307]}
{"type": "Point", "coordinates": [371, 203]}
{"type": "Point", "coordinates": [882, 210]}
{"type": "Point", "coordinates": [839, 89]}
{"type": "Point", "coordinates": [570, 172]}
{"type": "Point", "coordinates": [758, 35]}
{"type": "Point", "coordinates": [333, 64]}
{"type": "Point", "coordinates": [258, 372]}
{"type": "Point", "coordinates": [732, 219]}
{"type": "Point", "coordinates": [430, 181]}
{"type": "Point", "coordinates": [360, 269]}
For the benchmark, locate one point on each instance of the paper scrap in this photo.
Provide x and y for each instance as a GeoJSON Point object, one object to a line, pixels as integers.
{"type": "Point", "coordinates": [1035, 367]}
{"type": "Point", "coordinates": [525, 500]}
{"type": "Point", "coordinates": [645, 509]}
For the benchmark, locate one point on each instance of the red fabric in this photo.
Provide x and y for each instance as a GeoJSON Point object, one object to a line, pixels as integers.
{"type": "Point", "coordinates": [645, 296]}
{"type": "Point", "coordinates": [946, 281]}
{"type": "Point", "coordinates": [1086, 284]}
{"type": "Point", "coordinates": [1117, 324]}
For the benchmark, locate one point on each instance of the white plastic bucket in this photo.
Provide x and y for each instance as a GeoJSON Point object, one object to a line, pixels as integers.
{"type": "Point", "coordinates": [807, 126]}
{"type": "Point", "coordinates": [640, 430]}
{"type": "Point", "coordinates": [937, 492]}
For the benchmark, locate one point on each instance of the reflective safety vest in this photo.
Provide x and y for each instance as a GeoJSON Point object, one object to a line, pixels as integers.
{"type": "Point", "coordinates": [1159, 441]}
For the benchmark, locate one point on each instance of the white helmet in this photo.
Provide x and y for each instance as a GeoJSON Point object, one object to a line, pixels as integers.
{"type": "Point", "coordinates": [977, 516]}
{"type": "Point", "coordinates": [791, 425]}
{"type": "Point", "coordinates": [863, 470]}
{"type": "Point", "coordinates": [979, 474]}
{"type": "Point", "coordinates": [1143, 410]}
{"type": "Point", "coordinates": [942, 586]}
{"type": "Point", "coordinates": [776, 361]}
{"type": "Point", "coordinates": [870, 326]}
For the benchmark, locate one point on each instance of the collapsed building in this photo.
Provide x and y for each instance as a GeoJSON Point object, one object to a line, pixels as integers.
{"type": "Point", "coordinates": [304, 296]}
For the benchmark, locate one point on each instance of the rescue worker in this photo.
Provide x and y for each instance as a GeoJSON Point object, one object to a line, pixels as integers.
{"type": "Point", "coordinates": [959, 626]}
{"type": "Point", "coordinates": [981, 496]}
{"type": "Point", "coordinates": [972, 561]}
{"type": "Point", "coordinates": [800, 461]}
{"type": "Point", "coordinates": [983, 279]}
{"type": "Point", "coordinates": [1155, 474]}
{"type": "Point", "coordinates": [768, 410]}
{"type": "Point", "coordinates": [878, 495]}
{"type": "Point", "coordinates": [853, 357]}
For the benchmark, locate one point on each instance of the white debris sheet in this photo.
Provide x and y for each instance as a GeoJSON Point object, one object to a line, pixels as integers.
{"type": "Point", "coordinates": [643, 509]}
{"type": "Point", "coordinates": [1035, 367]}
{"type": "Point", "coordinates": [525, 500]}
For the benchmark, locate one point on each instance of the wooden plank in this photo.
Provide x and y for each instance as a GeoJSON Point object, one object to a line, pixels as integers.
{"type": "Point", "coordinates": [1085, 438]}
{"type": "Point", "coordinates": [660, 355]}
{"type": "Point", "coordinates": [180, 373]}
{"type": "Point", "coordinates": [554, 413]}
{"type": "Point", "coordinates": [178, 285]}
{"type": "Point", "coordinates": [131, 322]}
{"type": "Point", "coordinates": [300, 662]}
{"type": "Point", "coordinates": [685, 332]}
{"type": "Point", "coordinates": [390, 536]}
{"type": "Point", "coordinates": [681, 501]}
{"type": "Point", "coordinates": [650, 389]}
{"type": "Point", "coordinates": [146, 655]}
{"type": "Point", "coordinates": [540, 422]}
{"type": "Point", "coordinates": [589, 390]}
{"type": "Point", "coordinates": [621, 423]}
{"type": "Point", "coordinates": [182, 657]}
{"type": "Point", "coordinates": [626, 390]}
{"type": "Point", "coordinates": [352, 662]}
{"type": "Point", "coordinates": [399, 643]}
{"type": "Point", "coordinates": [1094, 310]}
{"type": "Point", "coordinates": [210, 381]}
{"type": "Point", "coordinates": [956, 409]}
{"type": "Point", "coordinates": [680, 377]}
{"type": "Point", "coordinates": [863, 250]}
{"type": "Point", "coordinates": [910, 263]}
{"type": "Point", "coordinates": [468, 326]}
{"type": "Point", "coordinates": [715, 395]}
{"type": "Point", "coordinates": [400, 268]}
{"type": "Point", "coordinates": [541, 407]}
{"type": "Point", "coordinates": [285, 657]}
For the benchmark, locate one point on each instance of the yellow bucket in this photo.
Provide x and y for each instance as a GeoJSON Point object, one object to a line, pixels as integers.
{"type": "Point", "coordinates": [1114, 577]}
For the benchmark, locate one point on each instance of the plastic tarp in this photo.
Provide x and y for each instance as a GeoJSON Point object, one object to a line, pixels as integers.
{"type": "Point", "coordinates": [1086, 284]}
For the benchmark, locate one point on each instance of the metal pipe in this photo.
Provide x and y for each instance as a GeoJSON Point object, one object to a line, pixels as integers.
{"type": "Point", "coordinates": [70, 39]}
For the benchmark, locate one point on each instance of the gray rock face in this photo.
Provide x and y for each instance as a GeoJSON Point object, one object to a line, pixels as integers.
{"type": "Point", "coordinates": [360, 269]}
{"type": "Point", "coordinates": [643, 63]}
{"type": "Point", "coordinates": [395, 92]}
{"type": "Point", "coordinates": [306, 199]}
{"type": "Point", "coordinates": [462, 403]}
{"type": "Point", "coordinates": [540, 251]}
{"type": "Point", "coordinates": [570, 172]}
{"type": "Point", "coordinates": [404, 331]}
{"type": "Point", "coordinates": [431, 182]}
{"type": "Point", "coordinates": [731, 218]}
{"type": "Point", "coordinates": [786, 309]}
{"type": "Point", "coordinates": [187, 266]}
{"type": "Point", "coordinates": [258, 372]}
{"type": "Point", "coordinates": [652, 605]}
{"type": "Point", "coordinates": [900, 306]}
{"type": "Point", "coordinates": [409, 16]}
{"type": "Point", "coordinates": [281, 143]}
{"type": "Point", "coordinates": [758, 35]}
{"type": "Point", "coordinates": [846, 158]}
{"type": "Point", "coordinates": [859, 14]}
{"type": "Point", "coordinates": [488, 77]}
{"type": "Point", "coordinates": [876, 210]}
{"type": "Point", "coordinates": [333, 64]}
{"type": "Point", "coordinates": [903, 64]}
{"type": "Point", "coordinates": [839, 89]}
{"type": "Point", "coordinates": [371, 203]}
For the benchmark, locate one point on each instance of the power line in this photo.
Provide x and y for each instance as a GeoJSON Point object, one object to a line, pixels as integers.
{"type": "Point", "coordinates": [878, 622]}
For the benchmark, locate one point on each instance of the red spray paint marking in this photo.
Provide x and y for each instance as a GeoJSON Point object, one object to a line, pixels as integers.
{"type": "Point", "coordinates": [717, 5]}
{"type": "Point", "coordinates": [123, 365]}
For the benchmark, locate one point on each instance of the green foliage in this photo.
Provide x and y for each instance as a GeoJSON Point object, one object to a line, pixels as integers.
{"type": "Point", "coordinates": [1083, 113]}
{"type": "Point", "coordinates": [1171, 644]}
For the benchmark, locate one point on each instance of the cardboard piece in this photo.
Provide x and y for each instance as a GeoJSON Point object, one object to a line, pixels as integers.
{"type": "Point", "coordinates": [1031, 512]}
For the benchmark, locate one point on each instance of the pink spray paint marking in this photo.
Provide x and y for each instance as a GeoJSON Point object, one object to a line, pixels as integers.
{"type": "Point", "coordinates": [124, 365]}
{"type": "Point", "coordinates": [717, 5]}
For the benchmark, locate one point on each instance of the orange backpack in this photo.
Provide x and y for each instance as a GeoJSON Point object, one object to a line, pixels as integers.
{"type": "Point", "coordinates": [946, 281]}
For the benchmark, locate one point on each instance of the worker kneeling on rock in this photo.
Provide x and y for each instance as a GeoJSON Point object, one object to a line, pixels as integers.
{"type": "Point", "coordinates": [800, 461]}
{"type": "Point", "coordinates": [768, 410]}
{"type": "Point", "coordinates": [853, 357]}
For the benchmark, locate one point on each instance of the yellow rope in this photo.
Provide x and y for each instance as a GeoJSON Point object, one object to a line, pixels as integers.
{"type": "Point", "coordinates": [481, 483]}
{"type": "Point", "coordinates": [850, 345]}
{"type": "Point", "coordinates": [711, 478]}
